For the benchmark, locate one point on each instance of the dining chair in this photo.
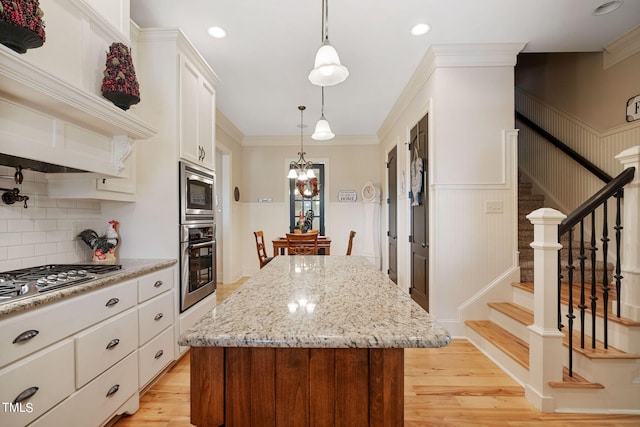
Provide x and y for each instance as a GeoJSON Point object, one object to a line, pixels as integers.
{"type": "Point", "coordinates": [352, 234]}
{"type": "Point", "coordinates": [262, 252]}
{"type": "Point", "coordinates": [302, 244]}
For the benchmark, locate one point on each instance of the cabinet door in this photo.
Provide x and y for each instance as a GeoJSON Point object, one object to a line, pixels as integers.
{"type": "Point", "coordinates": [206, 125]}
{"type": "Point", "coordinates": [189, 88]}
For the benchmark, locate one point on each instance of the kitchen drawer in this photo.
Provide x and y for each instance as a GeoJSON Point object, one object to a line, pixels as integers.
{"type": "Point", "coordinates": [154, 284]}
{"type": "Point", "coordinates": [25, 333]}
{"type": "Point", "coordinates": [155, 315]}
{"type": "Point", "coordinates": [155, 355]}
{"type": "Point", "coordinates": [50, 371]}
{"type": "Point", "coordinates": [100, 347]}
{"type": "Point", "coordinates": [92, 405]}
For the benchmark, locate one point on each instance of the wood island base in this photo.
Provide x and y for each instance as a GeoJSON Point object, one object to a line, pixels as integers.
{"type": "Point", "coordinates": [244, 386]}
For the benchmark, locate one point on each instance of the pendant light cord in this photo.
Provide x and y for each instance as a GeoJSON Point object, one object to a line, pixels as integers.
{"type": "Point", "coordinates": [325, 21]}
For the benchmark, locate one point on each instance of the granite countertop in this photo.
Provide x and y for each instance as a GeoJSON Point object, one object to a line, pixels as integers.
{"type": "Point", "coordinates": [331, 301]}
{"type": "Point", "coordinates": [130, 268]}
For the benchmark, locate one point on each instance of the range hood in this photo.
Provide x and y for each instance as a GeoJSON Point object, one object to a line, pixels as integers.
{"type": "Point", "coordinates": [35, 165]}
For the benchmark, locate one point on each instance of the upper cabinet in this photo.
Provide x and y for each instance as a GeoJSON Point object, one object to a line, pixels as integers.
{"type": "Point", "coordinates": [183, 89]}
{"type": "Point", "coordinates": [197, 115]}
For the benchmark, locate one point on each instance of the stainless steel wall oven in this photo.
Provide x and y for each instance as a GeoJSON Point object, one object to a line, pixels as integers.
{"type": "Point", "coordinates": [197, 235]}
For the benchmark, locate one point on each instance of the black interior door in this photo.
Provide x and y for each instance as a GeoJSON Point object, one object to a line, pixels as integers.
{"type": "Point", "coordinates": [419, 238]}
{"type": "Point", "coordinates": [392, 201]}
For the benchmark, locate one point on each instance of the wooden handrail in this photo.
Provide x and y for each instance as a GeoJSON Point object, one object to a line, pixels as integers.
{"type": "Point", "coordinates": [602, 175]}
{"type": "Point", "coordinates": [614, 186]}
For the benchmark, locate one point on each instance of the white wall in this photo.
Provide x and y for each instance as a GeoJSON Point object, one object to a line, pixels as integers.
{"type": "Point", "coordinates": [468, 93]}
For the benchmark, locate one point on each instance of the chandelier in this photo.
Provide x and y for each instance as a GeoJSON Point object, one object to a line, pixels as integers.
{"type": "Point", "coordinates": [301, 169]}
{"type": "Point", "coordinates": [327, 69]}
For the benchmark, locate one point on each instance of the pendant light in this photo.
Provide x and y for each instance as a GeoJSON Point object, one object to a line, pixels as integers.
{"type": "Point", "coordinates": [301, 170]}
{"type": "Point", "coordinates": [323, 130]}
{"type": "Point", "coordinates": [328, 70]}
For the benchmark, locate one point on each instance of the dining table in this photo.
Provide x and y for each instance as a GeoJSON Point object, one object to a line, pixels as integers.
{"type": "Point", "coordinates": [308, 340]}
{"type": "Point", "coordinates": [280, 245]}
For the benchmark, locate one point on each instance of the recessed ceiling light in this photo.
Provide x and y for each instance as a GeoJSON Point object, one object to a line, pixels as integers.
{"type": "Point", "coordinates": [420, 29]}
{"type": "Point", "coordinates": [607, 7]}
{"type": "Point", "coordinates": [217, 32]}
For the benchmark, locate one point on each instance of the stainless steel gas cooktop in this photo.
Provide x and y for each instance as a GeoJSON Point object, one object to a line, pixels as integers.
{"type": "Point", "coordinates": [28, 282]}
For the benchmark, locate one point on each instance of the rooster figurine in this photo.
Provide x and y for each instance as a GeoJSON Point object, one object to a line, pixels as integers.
{"type": "Point", "coordinates": [104, 247]}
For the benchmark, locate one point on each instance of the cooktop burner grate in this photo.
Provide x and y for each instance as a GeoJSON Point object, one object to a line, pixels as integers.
{"type": "Point", "coordinates": [27, 282]}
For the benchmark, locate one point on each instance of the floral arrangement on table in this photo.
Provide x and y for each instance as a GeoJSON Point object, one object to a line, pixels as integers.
{"type": "Point", "coordinates": [120, 84]}
{"type": "Point", "coordinates": [21, 24]}
{"type": "Point", "coordinates": [303, 188]}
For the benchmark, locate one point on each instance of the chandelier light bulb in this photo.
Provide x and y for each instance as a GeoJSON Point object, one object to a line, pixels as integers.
{"type": "Point", "coordinates": [292, 174]}
{"type": "Point", "coordinates": [311, 174]}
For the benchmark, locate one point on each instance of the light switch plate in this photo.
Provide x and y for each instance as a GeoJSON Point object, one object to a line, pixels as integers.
{"type": "Point", "coordinates": [493, 206]}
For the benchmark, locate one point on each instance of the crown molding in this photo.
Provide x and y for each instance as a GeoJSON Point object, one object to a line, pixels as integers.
{"type": "Point", "coordinates": [226, 125]}
{"type": "Point", "coordinates": [449, 56]}
{"type": "Point", "coordinates": [622, 48]}
{"type": "Point", "coordinates": [290, 140]}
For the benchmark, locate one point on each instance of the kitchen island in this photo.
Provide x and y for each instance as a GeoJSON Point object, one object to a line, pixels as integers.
{"type": "Point", "coordinates": [308, 340]}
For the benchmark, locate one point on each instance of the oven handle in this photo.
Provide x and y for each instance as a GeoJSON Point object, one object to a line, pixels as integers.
{"type": "Point", "coordinates": [201, 245]}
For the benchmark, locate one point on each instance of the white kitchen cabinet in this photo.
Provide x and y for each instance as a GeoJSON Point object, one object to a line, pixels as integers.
{"type": "Point", "coordinates": [197, 115]}
{"type": "Point", "coordinates": [103, 345]}
{"type": "Point", "coordinates": [82, 360]}
{"type": "Point", "coordinates": [25, 380]}
{"type": "Point", "coordinates": [188, 87]}
{"type": "Point", "coordinates": [156, 320]}
{"type": "Point", "coordinates": [99, 400]}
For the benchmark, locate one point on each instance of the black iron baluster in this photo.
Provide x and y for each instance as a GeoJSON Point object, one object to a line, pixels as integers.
{"type": "Point", "coordinates": [605, 275]}
{"type": "Point", "coordinates": [570, 316]}
{"type": "Point", "coordinates": [618, 275]}
{"type": "Point", "coordinates": [582, 305]}
{"type": "Point", "coordinates": [593, 296]}
{"type": "Point", "coordinates": [560, 277]}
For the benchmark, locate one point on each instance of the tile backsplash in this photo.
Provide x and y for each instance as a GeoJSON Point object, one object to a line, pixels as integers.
{"type": "Point", "coordinates": [46, 232]}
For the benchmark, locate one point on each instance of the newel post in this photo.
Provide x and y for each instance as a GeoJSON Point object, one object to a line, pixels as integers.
{"type": "Point", "coordinates": [630, 292]}
{"type": "Point", "coordinates": [545, 340]}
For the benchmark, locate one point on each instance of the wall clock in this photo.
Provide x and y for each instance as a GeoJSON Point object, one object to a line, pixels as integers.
{"type": "Point", "coordinates": [368, 192]}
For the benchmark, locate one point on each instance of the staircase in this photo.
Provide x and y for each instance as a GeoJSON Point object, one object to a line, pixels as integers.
{"type": "Point", "coordinates": [603, 379]}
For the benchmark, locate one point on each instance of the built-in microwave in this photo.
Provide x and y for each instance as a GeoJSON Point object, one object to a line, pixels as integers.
{"type": "Point", "coordinates": [197, 194]}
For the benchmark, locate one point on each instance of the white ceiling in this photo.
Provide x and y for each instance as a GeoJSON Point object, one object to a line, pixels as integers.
{"type": "Point", "coordinates": [264, 62]}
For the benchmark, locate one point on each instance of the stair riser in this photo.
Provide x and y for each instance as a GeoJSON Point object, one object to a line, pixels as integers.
{"type": "Point", "coordinates": [512, 326]}
{"type": "Point", "coordinates": [523, 298]}
{"type": "Point", "coordinates": [510, 366]}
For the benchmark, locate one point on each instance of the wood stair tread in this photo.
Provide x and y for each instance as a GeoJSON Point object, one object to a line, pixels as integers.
{"type": "Point", "coordinates": [576, 381]}
{"type": "Point", "coordinates": [518, 350]}
{"type": "Point", "coordinates": [524, 316]}
{"type": "Point", "coordinates": [511, 345]}
{"type": "Point", "coordinates": [528, 287]}
{"type": "Point", "coordinates": [515, 311]}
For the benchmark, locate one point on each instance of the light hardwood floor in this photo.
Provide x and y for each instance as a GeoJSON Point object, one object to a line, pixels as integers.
{"type": "Point", "coordinates": [452, 386]}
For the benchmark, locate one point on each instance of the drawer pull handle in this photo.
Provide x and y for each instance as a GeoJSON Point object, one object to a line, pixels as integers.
{"type": "Point", "coordinates": [159, 354]}
{"type": "Point", "coordinates": [157, 284]}
{"type": "Point", "coordinates": [112, 302]}
{"type": "Point", "coordinates": [114, 342]}
{"type": "Point", "coordinates": [113, 390]}
{"type": "Point", "coordinates": [158, 316]}
{"type": "Point", "coordinates": [26, 336]}
{"type": "Point", "coordinates": [26, 394]}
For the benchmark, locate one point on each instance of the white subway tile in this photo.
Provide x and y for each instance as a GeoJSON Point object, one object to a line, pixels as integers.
{"type": "Point", "coordinates": [19, 252]}
{"type": "Point", "coordinates": [46, 249]}
{"type": "Point", "coordinates": [10, 239]}
{"type": "Point", "coordinates": [57, 259]}
{"type": "Point", "coordinates": [3, 254]}
{"type": "Point", "coordinates": [56, 213]}
{"type": "Point", "coordinates": [34, 261]}
{"type": "Point", "coordinates": [34, 213]}
{"type": "Point", "coordinates": [20, 225]}
{"type": "Point", "coordinates": [45, 225]}
{"type": "Point", "coordinates": [13, 264]}
{"type": "Point", "coordinates": [68, 246]}
{"type": "Point", "coordinates": [3, 226]}
{"type": "Point", "coordinates": [10, 211]}
{"type": "Point", "coordinates": [33, 237]}
{"type": "Point", "coordinates": [58, 236]}
{"type": "Point", "coordinates": [68, 204]}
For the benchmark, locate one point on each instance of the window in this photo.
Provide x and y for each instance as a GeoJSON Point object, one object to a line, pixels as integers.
{"type": "Point", "coordinates": [299, 203]}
